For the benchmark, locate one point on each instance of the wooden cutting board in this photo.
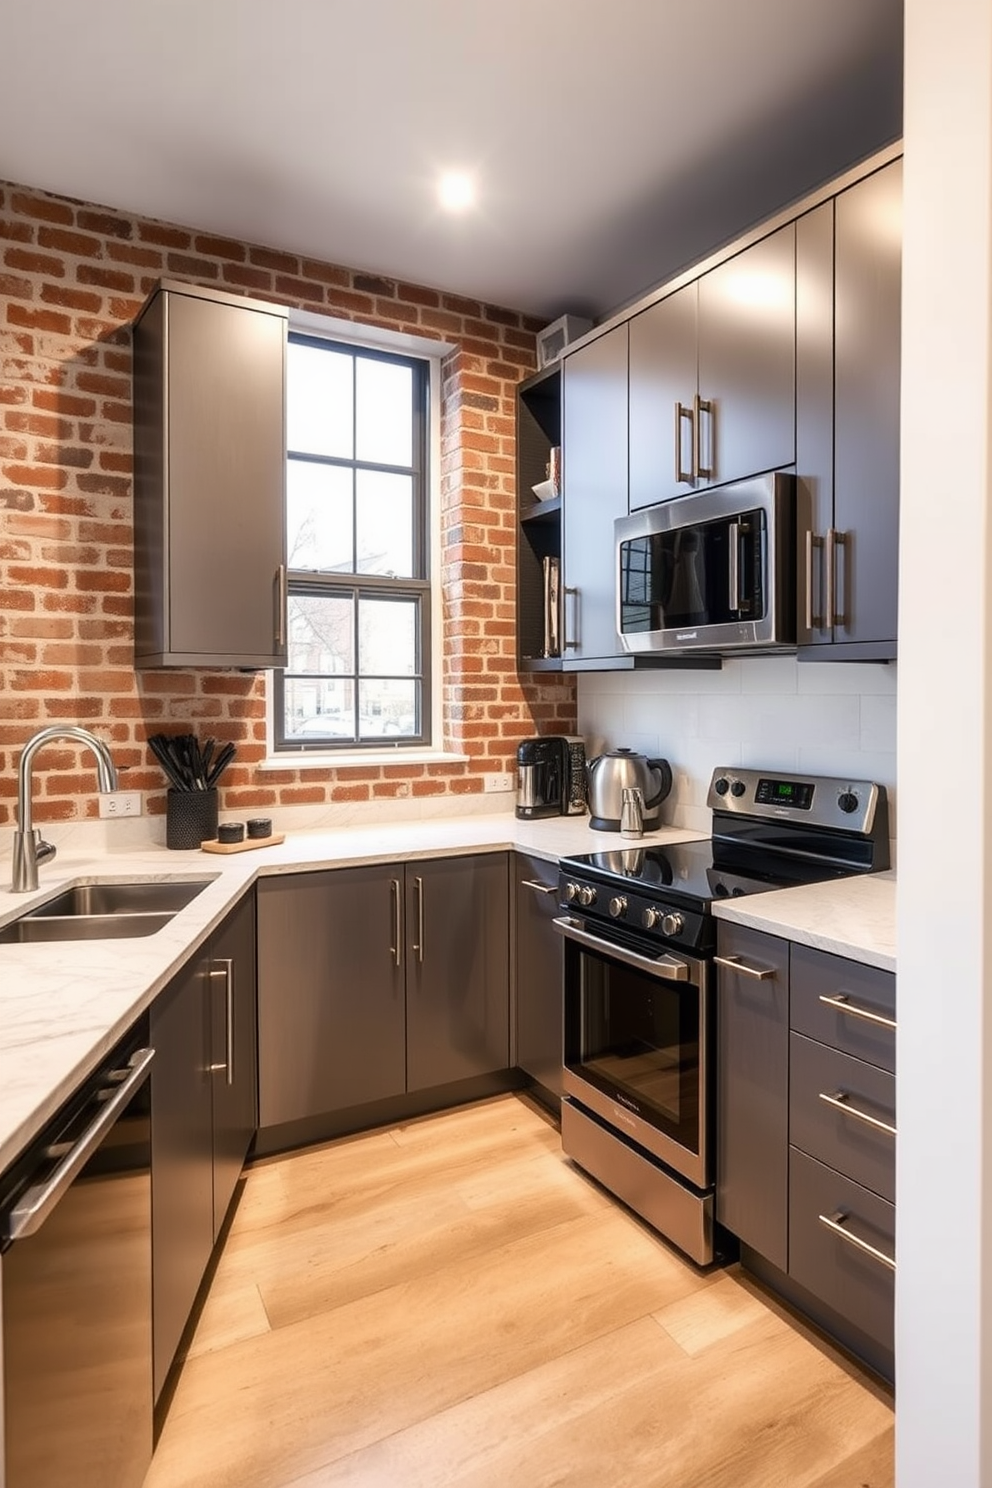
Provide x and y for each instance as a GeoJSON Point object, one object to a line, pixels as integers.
{"type": "Point", "coordinates": [245, 846]}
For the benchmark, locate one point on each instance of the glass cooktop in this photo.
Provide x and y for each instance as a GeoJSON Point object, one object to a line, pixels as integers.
{"type": "Point", "coordinates": [702, 871]}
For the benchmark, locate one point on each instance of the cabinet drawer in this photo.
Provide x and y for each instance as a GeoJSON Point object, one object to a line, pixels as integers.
{"type": "Point", "coordinates": [860, 1019]}
{"type": "Point", "coordinates": [843, 1135]}
{"type": "Point", "coordinates": [831, 1265]}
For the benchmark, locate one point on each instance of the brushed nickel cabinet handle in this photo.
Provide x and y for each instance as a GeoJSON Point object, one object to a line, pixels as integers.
{"type": "Point", "coordinates": [539, 888]}
{"type": "Point", "coordinates": [841, 1101]}
{"type": "Point", "coordinates": [828, 580]}
{"type": "Point", "coordinates": [699, 407]}
{"type": "Point", "coordinates": [282, 604]}
{"type": "Point", "coordinates": [813, 621]}
{"type": "Point", "coordinates": [225, 968]}
{"type": "Point", "coordinates": [566, 644]}
{"type": "Point", "coordinates": [843, 1004]}
{"type": "Point", "coordinates": [756, 973]}
{"type": "Point", "coordinates": [836, 1224]}
{"type": "Point", "coordinates": [396, 949]}
{"type": "Point", "coordinates": [418, 892]}
{"type": "Point", "coordinates": [838, 604]}
{"type": "Point", "coordinates": [681, 412]}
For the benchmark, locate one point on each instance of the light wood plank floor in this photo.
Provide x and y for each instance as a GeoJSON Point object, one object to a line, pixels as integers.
{"type": "Point", "coordinates": [450, 1304]}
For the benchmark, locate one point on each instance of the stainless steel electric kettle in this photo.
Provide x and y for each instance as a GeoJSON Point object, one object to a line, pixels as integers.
{"type": "Point", "coordinates": [610, 773]}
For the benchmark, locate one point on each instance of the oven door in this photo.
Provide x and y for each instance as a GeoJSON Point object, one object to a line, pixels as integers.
{"type": "Point", "coordinates": [636, 1045]}
{"type": "Point", "coordinates": [712, 570]}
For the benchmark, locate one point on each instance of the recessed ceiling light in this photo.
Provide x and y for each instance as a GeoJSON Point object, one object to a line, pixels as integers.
{"type": "Point", "coordinates": [456, 191]}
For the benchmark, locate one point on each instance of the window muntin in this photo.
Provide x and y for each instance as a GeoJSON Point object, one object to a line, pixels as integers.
{"type": "Point", "coordinates": [356, 519]}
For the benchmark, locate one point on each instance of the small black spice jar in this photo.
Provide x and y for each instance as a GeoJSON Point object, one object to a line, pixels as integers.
{"type": "Point", "coordinates": [190, 818]}
{"type": "Point", "coordinates": [231, 832]}
{"type": "Point", "coordinates": [260, 826]}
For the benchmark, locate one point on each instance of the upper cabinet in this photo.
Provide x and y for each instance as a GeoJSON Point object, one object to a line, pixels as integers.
{"type": "Point", "coordinates": [594, 455]}
{"type": "Point", "coordinates": [712, 376]}
{"type": "Point", "coordinates": [850, 256]}
{"type": "Point", "coordinates": [210, 460]}
{"type": "Point", "coordinates": [539, 522]}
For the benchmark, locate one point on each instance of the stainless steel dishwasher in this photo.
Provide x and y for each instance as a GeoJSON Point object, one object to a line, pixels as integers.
{"type": "Point", "coordinates": [75, 1288]}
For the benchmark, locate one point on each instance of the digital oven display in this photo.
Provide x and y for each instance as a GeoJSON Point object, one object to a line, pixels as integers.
{"type": "Point", "coordinates": [795, 793]}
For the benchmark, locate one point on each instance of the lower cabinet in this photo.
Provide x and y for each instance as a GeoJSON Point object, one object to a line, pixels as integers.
{"type": "Point", "coordinates": [537, 978]}
{"type": "Point", "coordinates": [378, 981]}
{"type": "Point", "coordinates": [806, 1130]}
{"type": "Point", "coordinates": [203, 1086]}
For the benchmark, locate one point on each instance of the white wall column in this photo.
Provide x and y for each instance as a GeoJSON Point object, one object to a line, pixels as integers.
{"type": "Point", "coordinates": [944, 1185]}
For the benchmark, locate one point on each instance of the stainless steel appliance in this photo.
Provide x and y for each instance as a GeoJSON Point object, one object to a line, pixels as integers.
{"type": "Point", "coordinates": [618, 770]}
{"type": "Point", "coordinates": [551, 777]}
{"type": "Point", "coordinates": [75, 1289]}
{"type": "Point", "coordinates": [714, 570]}
{"type": "Point", "coordinates": [640, 938]}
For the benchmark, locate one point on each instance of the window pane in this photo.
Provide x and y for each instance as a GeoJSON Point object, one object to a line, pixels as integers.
{"type": "Point", "coordinates": [385, 523]}
{"type": "Point", "coordinates": [387, 630]}
{"type": "Point", "coordinates": [319, 414]}
{"type": "Point", "coordinates": [319, 708]}
{"type": "Point", "coordinates": [384, 415]}
{"type": "Point", "coordinates": [388, 708]}
{"type": "Point", "coordinates": [321, 634]}
{"type": "Point", "coordinates": [319, 517]}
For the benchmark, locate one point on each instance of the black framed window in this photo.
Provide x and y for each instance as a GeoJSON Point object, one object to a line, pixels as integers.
{"type": "Point", "coordinates": [357, 673]}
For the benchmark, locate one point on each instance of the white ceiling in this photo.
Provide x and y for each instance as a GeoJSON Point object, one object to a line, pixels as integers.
{"type": "Point", "coordinates": [612, 140]}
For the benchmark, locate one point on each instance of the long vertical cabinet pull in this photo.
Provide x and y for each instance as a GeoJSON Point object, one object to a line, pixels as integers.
{"type": "Point", "coordinates": [396, 949]}
{"type": "Point", "coordinates": [681, 412]}
{"type": "Point", "coordinates": [699, 407]}
{"type": "Point", "coordinates": [814, 621]}
{"type": "Point", "coordinates": [418, 893]}
{"type": "Point", "coordinates": [570, 643]}
{"type": "Point", "coordinates": [837, 613]}
{"type": "Point", "coordinates": [282, 604]}
{"type": "Point", "coordinates": [225, 968]}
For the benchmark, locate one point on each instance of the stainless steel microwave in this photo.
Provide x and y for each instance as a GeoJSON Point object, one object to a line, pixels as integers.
{"type": "Point", "coordinates": [715, 570]}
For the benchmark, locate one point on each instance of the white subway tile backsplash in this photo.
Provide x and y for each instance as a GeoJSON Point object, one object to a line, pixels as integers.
{"type": "Point", "coordinates": [824, 718]}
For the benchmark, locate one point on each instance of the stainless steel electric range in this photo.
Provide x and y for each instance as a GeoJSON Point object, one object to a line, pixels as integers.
{"type": "Point", "coordinates": [640, 941]}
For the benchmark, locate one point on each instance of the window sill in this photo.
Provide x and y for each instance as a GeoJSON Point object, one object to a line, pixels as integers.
{"type": "Point", "coordinates": [338, 758]}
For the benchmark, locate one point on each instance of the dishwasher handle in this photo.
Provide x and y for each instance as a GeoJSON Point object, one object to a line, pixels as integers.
{"type": "Point", "coordinates": [37, 1202]}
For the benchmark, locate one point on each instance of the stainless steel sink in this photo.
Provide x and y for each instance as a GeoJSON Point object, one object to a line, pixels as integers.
{"type": "Point", "coordinates": [103, 911]}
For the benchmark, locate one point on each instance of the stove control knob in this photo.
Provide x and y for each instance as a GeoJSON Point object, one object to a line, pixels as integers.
{"type": "Point", "coordinates": [571, 891]}
{"type": "Point", "coordinates": [721, 786]}
{"type": "Point", "coordinates": [650, 918]}
{"type": "Point", "coordinates": [587, 895]}
{"type": "Point", "coordinates": [672, 924]}
{"type": "Point", "coordinates": [738, 788]}
{"type": "Point", "coordinates": [847, 801]}
{"type": "Point", "coordinates": [618, 906]}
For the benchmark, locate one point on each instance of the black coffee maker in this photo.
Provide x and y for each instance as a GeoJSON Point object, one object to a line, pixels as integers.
{"type": "Point", "coordinates": [551, 777]}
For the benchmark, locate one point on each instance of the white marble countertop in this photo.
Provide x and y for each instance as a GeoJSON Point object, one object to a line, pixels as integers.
{"type": "Point", "coordinates": [853, 917]}
{"type": "Point", "coordinates": [64, 1005]}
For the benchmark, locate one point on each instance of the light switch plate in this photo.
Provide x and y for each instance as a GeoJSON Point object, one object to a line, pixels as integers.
{"type": "Point", "coordinates": [120, 803]}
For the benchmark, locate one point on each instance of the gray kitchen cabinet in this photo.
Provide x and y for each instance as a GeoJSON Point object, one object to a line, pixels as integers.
{"type": "Point", "coordinates": [378, 981]}
{"type": "Point", "coordinates": [209, 475]}
{"type": "Point", "coordinates": [752, 1102]}
{"type": "Point", "coordinates": [807, 1130]}
{"type": "Point", "coordinates": [537, 980]}
{"type": "Point", "coordinates": [331, 1009]}
{"type": "Point", "coordinates": [594, 494]}
{"type": "Point", "coordinates": [712, 376]}
{"type": "Point", "coordinates": [201, 1126]}
{"type": "Point", "coordinates": [234, 1051]}
{"type": "Point", "coordinates": [457, 969]}
{"type": "Point", "coordinates": [850, 279]}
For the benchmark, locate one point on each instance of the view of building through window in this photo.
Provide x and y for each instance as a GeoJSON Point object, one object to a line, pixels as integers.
{"type": "Point", "coordinates": [356, 510]}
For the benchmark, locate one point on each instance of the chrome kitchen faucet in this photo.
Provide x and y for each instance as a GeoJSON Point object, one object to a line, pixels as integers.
{"type": "Point", "coordinates": [29, 849]}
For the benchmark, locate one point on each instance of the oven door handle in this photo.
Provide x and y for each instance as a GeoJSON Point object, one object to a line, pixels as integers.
{"type": "Point", "coordinates": [667, 968]}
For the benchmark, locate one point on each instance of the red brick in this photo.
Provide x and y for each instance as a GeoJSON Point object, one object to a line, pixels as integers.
{"type": "Point", "coordinates": [44, 208]}
{"type": "Point", "coordinates": [38, 320]}
{"type": "Point", "coordinates": [118, 279]}
{"type": "Point", "coordinates": [220, 248]}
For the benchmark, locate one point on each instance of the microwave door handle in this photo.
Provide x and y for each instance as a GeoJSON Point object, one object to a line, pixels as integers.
{"type": "Point", "coordinates": [734, 544]}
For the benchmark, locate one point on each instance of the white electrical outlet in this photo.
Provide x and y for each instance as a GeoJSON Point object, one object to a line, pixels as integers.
{"type": "Point", "coordinates": [120, 803]}
{"type": "Point", "coordinates": [498, 783]}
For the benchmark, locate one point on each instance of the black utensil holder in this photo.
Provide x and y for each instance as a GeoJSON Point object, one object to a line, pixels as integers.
{"type": "Point", "coordinates": [190, 818]}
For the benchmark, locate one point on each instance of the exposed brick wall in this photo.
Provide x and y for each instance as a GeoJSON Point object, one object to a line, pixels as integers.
{"type": "Point", "coordinates": [72, 277]}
